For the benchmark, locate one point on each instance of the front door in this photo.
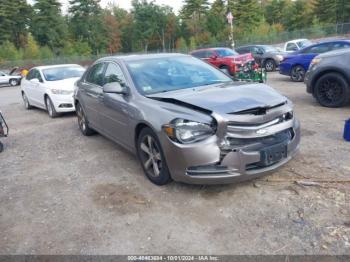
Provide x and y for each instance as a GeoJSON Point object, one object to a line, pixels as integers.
{"type": "Point", "coordinates": [114, 114]}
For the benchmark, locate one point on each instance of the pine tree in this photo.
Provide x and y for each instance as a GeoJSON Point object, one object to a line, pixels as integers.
{"type": "Point", "coordinates": [14, 21]}
{"type": "Point", "coordinates": [48, 26]}
{"type": "Point", "coordinates": [325, 10]}
{"type": "Point", "coordinates": [216, 18]}
{"type": "Point", "coordinates": [247, 13]}
{"type": "Point", "coordinates": [86, 23]}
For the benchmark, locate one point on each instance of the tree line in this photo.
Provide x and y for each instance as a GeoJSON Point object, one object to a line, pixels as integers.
{"type": "Point", "coordinates": [42, 31]}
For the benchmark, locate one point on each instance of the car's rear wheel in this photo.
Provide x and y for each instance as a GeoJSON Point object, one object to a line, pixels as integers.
{"type": "Point", "coordinates": [270, 65]}
{"type": "Point", "coordinates": [50, 107]}
{"type": "Point", "coordinates": [152, 158]}
{"type": "Point", "coordinates": [297, 73]}
{"type": "Point", "coordinates": [332, 90]}
{"type": "Point", "coordinates": [26, 101]}
{"type": "Point", "coordinates": [13, 82]}
{"type": "Point", "coordinates": [82, 122]}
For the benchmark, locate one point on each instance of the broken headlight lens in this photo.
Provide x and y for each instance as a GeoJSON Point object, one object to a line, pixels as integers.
{"type": "Point", "coordinates": [186, 131]}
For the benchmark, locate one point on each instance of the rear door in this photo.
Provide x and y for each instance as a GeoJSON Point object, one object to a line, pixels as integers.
{"type": "Point", "coordinates": [92, 93]}
{"type": "Point", "coordinates": [30, 87]}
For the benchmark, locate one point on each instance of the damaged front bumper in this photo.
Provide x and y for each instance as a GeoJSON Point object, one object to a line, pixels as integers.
{"type": "Point", "coordinates": [237, 152]}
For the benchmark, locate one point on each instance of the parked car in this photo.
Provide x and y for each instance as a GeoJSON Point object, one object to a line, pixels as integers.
{"type": "Point", "coordinates": [266, 56]}
{"type": "Point", "coordinates": [51, 88]}
{"type": "Point", "coordinates": [185, 119]}
{"type": "Point", "coordinates": [328, 78]}
{"type": "Point", "coordinates": [223, 58]}
{"type": "Point", "coordinates": [9, 79]}
{"type": "Point", "coordinates": [296, 64]}
{"type": "Point", "coordinates": [295, 45]}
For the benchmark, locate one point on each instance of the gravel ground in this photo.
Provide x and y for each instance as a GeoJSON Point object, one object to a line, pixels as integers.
{"type": "Point", "coordinates": [62, 193]}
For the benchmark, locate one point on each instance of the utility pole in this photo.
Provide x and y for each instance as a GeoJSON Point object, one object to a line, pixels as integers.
{"type": "Point", "coordinates": [230, 21]}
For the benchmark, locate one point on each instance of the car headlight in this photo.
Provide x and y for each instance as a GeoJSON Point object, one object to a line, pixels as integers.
{"type": "Point", "coordinates": [61, 92]}
{"type": "Point", "coordinates": [315, 61]}
{"type": "Point", "coordinates": [279, 57]}
{"type": "Point", "coordinates": [187, 131]}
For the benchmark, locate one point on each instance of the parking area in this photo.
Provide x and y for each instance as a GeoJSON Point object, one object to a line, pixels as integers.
{"type": "Point", "coordinates": [63, 193]}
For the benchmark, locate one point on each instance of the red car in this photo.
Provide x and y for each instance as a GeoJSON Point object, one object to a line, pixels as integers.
{"type": "Point", "coordinates": [226, 59]}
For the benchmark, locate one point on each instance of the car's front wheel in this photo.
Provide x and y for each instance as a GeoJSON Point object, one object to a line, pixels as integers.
{"type": "Point", "coordinates": [50, 107]}
{"type": "Point", "coordinates": [152, 158]}
{"type": "Point", "coordinates": [82, 122]}
{"type": "Point", "coordinates": [297, 73]}
{"type": "Point", "coordinates": [332, 90]}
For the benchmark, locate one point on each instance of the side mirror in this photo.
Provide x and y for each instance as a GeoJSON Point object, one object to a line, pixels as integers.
{"type": "Point", "coordinates": [35, 81]}
{"type": "Point", "coordinates": [214, 57]}
{"type": "Point", "coordinates": [114, 88]}
{"type": "Point", "coordinates": [259, 52]}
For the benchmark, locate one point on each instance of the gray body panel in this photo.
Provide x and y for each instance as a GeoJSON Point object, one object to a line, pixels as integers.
{"type": "Point", "coordinates": [118, 117]}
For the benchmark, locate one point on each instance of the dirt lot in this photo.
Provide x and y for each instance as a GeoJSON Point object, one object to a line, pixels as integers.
{"type": "Point", "coordinates": [62, 193]}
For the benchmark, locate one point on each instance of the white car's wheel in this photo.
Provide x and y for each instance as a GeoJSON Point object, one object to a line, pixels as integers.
{"type": "Point", "coordinates": [50, 107]}
{"type": "Point", "coordinates": [26, 101]}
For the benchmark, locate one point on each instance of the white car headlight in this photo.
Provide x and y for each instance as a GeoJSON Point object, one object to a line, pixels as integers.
{"type": "Point", "coordinates": [187, 131]}
{"type": "Point", "coordinates": [279, 57]}
{"type": "Point", "coordinates": [61, 92]}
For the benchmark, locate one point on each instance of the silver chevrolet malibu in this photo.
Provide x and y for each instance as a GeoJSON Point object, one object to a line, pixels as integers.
{"type": "Point", "coordinates": [186, 120]}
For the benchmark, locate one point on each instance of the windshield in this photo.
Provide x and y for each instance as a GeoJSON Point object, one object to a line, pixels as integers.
{"type": "Point", "coordinates": [269, 48]}
{"type": "Point", "coordinates": [61, 73]}
{"type": "Point", "coordinates": [304, 43]}
{"type": "Point", "coordinates": [168, 74]}
{"type": "Point", "coordinates": [226, 52]}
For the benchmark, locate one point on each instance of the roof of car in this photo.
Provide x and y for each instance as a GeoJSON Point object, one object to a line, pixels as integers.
{"type": "Point", "coordinates": [296, 40]}
{"type": "Point", "coordinates": [54, 66]}
{"type": "Point", "coordinates": [136, 57]}
{"type": "Point", "coordinates": [209, 48]}
{"type": "Point", "coordinates": [329, 41]}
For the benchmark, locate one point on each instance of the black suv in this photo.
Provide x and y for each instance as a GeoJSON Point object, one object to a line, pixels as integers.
{"type": "Point", "coordinates": [328, 78]}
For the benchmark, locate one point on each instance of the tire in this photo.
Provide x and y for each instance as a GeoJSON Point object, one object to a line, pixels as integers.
{"type": "Point", "coordinates": [270, 65]}
{"type": "Point", "coordinates": [26, 101]}
{"type": "Point", "coordinates": [1, 147]}
{"type": "Point", "coordinates": [332, 90]}
{"type": "Point", "coordinates": [13, 82]}
{"type": "Point", "coordinates": [152, 158]}
{"type": "Point", "coordinates": [82, 122]}
{"type": "Point", "coordinates": [297, 73]}
{"type": "Point", "coordinates": [50, 107]}
{"type": "Point", "coordinates": [225, 70]}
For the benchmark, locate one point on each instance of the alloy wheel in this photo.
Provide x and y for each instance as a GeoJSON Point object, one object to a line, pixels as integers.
{"type": "Point", "coordinates": [81, 119]}
{"type": "Point", "coordinates": [49, 107]}
{"type": "Point", "coordinates": [298, 74]}
{"type": "Point", "coordinates": [330, 91]}
{"type": "Point", "coordinates": [150, 156]}
{"type": "Point", "coordinates": [269, 66]}
{"type": "Point", "coordinates": [25, 101]}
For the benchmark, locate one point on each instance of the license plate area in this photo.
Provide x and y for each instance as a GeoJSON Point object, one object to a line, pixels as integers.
{"type": "Point", "coordinates": [272, 154]}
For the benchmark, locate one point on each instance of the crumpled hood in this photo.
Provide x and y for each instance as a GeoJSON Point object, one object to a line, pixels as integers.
{"type": "Point", "coordinates": [228, 99]}
{"type": "Point", "coordinates": [65, 84]}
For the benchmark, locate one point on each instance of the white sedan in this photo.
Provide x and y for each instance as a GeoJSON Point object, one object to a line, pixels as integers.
{"type": "Point", "coordinates": [51, 88]}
